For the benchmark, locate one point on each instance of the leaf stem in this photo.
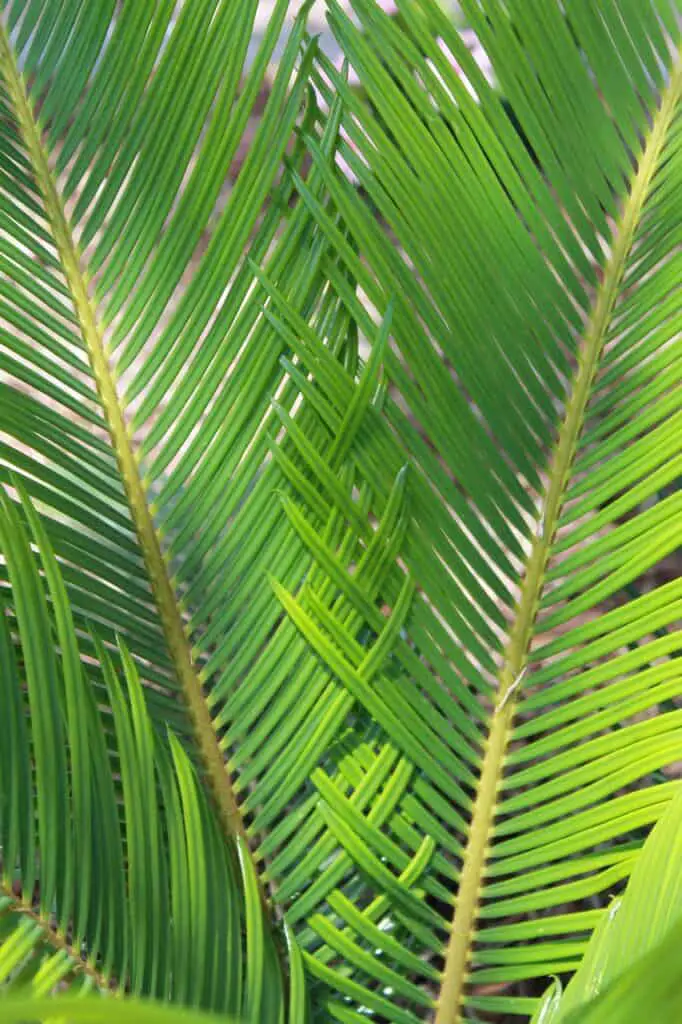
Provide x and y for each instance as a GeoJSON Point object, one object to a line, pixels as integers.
{"type": "Point", "coordinates": [463, 932]}
{"type": "Point", "coordinates": [56, 940]}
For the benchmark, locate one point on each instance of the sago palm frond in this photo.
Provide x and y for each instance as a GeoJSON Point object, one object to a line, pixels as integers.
{"type": "Point", "coordinates": [131, 307]}
{"type": "Point", "coordinates": [366, 481]}
{"type": "Point", "coordinates": [142, 392]}
{"type": "Point", "coordinates": [530, 685]}
{"type": "Point", "coordinates": [137, 377]}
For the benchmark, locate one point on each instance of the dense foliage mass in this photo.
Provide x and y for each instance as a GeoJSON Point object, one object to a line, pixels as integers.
{"type": "Point", "coordinates": [340, 447]}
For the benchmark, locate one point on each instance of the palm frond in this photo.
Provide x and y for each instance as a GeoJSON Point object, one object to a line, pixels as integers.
{"type": "Point", "coordinates": [138, 410]}
{"type": "Point", "coordinates": [139, 416]}
{"type": "Point", "coordinates": [132, 361]}
{"type": "Point", "coordinates": [532, 385]}
{"type": "Point", "coordinates": [367, 481]}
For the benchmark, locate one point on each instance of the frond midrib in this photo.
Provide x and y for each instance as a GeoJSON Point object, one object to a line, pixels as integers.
{"type": "Point", "coordinates": [168, 608]}
{"type": "Point", "coordinates": [449, 1005]}
{"type": "Point", "coordinates": [53, 938]}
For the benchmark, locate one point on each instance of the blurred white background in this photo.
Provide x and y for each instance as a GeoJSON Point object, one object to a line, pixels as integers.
{"type": "Point", "coordinates": [317, 19]}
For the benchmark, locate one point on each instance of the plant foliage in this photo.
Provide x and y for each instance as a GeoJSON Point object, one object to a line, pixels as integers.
{"type": "Point", "coordinates": [630, 970]}
{"type": "Point", "coordinates": [339, 672]}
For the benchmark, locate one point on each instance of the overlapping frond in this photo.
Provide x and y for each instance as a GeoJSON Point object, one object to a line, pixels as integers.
{"type": "Point", "coordinates": [159, 456]}
{"type": "Point", "coordinates": [533, 387]}
{"type": "Point", "coordinates": [139, 375]}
